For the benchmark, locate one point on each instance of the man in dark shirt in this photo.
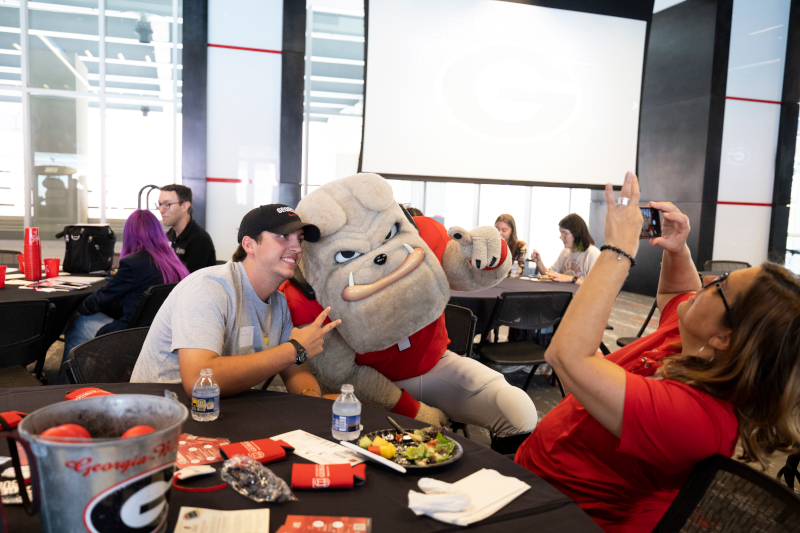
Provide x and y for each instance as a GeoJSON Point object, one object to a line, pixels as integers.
{"type": "Point", "coordinates": [191, 242]}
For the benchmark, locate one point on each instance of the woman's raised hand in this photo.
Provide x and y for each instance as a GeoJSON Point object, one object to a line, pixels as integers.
{"type": "Point", "coordinates": [674, 227]}
{"type": "Point", "coordinates": [624, 222]}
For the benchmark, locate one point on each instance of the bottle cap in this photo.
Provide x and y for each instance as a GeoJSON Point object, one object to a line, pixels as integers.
{"type": "Point", "coordinates": [347, 388]}
{"type": "Point", "coordinates": [206, 372]}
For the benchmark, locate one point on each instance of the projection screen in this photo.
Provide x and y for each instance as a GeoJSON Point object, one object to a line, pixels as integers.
{"type": "Point", "coordinates": [493, 90]}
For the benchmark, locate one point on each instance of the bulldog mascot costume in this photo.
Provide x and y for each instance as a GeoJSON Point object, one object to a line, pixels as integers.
{"type": "Point", "coordinates": [388, 277]}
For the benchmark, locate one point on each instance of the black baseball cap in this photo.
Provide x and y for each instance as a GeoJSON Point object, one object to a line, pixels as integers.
{"type": "Point", "coordinates": [275, 218]}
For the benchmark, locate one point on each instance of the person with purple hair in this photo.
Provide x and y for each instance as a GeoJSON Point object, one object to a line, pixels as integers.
{"type": "Point", "coordinates": [146, 259]}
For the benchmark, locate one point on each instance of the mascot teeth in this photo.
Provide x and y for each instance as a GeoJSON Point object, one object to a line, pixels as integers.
{"type": "Point", "coordinates": [351, 279]}
{"type": "Point", "coordinates": [409, 248]}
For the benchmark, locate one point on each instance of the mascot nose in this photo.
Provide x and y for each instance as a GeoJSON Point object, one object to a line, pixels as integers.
{"type": "Point", "coordinates": [381, 259]}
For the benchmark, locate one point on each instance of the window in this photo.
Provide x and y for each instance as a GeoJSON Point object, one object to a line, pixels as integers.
{"type": "Point", "coordinates": [98, 93]}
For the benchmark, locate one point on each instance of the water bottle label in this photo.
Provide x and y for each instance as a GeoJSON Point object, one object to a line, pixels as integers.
{"type": "Point", "coordinates": [346, 424]}
{"type": "Point", "coordinates": [205, 405]}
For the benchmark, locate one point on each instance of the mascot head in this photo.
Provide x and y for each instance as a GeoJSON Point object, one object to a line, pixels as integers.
{"type": "Point", "coordinates": [370, 265]}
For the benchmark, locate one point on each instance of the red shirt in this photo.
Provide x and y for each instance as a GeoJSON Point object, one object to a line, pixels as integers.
{"type": "Point", "coordinates": [626, 484]}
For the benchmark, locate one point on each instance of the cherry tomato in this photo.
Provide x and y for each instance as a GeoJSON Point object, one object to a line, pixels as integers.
{"type": "Point", "coordinates": [135, 431]}
{"type": "Point", "coordinates": [73, 431]}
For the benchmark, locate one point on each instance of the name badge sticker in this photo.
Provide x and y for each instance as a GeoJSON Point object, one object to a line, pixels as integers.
{"type": "Point", "coordinates": [246, 336]}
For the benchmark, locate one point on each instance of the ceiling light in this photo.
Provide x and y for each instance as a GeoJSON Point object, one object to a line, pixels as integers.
{"type": "Point", "coordinates": [17, 47]}
{"type": "Point", "coordinates": [46, 86]}
{"type": "Point", "coordinates": [122, 57]}
{"type": "Point", "coordinates": [88, 53]}
{"type": "Point", "coordinates": [147, 58]}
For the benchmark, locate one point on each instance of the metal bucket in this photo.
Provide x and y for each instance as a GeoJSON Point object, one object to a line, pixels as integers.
{"type": "Point", "coordinates": [108, 484]}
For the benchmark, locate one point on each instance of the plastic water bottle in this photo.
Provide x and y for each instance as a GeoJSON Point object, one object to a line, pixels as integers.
{"type": "Point", "coordinates": [346, 415]}
{"type": "Point", "coordinates": [514, 273]}
{"type": "Point", "coordinates": [205, 398]}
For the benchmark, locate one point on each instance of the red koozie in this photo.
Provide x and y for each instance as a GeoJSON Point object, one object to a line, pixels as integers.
{"type": "Point", "coordinates": [262, 450]}
{"type": "Point", "coordinates": [86, 392]}
{"type": "Point", "coordinates": [328, 476]}
{"type": "Point", "coordinates": [33, 255]}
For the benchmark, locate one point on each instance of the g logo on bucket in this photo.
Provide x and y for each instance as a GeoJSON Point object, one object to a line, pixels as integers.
{"type": "Point", "coordinates": [509, 92]}
{"type": "Point", "coordinates": [137, 505]}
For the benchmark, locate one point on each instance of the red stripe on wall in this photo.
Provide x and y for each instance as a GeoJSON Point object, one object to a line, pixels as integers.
{"type": "Point", "coordinates": [743, 99]}
{"type": "Point", "coordinates": [227, 180]}
{"type": "Point", "coordinates": [244, 48]}
{"type": "Point", "coordinates": [744, 203]}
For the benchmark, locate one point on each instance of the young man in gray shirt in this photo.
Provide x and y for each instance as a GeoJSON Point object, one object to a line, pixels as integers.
{"type": "Point", "coordinates": [232, 319]}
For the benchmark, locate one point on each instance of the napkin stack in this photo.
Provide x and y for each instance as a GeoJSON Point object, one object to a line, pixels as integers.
{"type": "Point", "coordinates": [464, 502]}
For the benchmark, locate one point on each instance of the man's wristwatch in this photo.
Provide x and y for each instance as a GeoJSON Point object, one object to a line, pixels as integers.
{"type": "Point", "coordinates": [302, 354]}
{"type": "Point", "coordinates": [574, 279]}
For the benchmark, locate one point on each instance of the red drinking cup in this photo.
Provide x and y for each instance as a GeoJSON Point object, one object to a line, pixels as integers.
{"type": "Point", "coordinates": [51, 267]}
{"type": "Point", "coordinates": [21, 261]}
{"type": "Point", "coordinates": [2, 276]}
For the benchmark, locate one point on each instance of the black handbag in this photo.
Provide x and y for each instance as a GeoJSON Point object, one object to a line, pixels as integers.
{"type": "Point", "coordinates": [90, 248]}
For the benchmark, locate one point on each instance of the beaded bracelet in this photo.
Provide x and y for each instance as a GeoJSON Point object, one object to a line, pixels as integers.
{"type": "Point", "coordinates": [619, 258]}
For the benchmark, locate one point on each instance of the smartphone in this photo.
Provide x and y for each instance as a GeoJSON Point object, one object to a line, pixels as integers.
{"type": "Point", "coordinates": [651, 226]}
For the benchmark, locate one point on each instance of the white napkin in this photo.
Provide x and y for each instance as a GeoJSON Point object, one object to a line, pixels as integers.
{"type": "Point", "coordinates": [485, 492]}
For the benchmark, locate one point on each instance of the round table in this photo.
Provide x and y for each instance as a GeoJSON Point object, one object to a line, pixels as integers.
{"type": "Point", "coordinates": [482, 302]}
{"type": "Point", "coordinates": [65, 304]}
{"type": "Point", "coordinates": [384, 498]}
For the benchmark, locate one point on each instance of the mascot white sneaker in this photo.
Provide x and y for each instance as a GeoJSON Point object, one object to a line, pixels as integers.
{"type": "Point", "coordinates": [388, 276]}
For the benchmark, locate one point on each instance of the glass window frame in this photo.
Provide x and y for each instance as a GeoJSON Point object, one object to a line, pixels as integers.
{"type": "Point", "coordinates": [25, 92]}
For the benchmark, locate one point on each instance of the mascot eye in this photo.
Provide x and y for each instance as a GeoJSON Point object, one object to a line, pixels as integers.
{"type": "Point", "coordinates": [344, 257]}
{"type": "Point", "coordinates": [393, 231]}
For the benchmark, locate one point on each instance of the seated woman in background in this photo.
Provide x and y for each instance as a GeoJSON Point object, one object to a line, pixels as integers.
{"type": "Point", "coordinates": [723, 366]}
{"type": "Point", "coordinates": [146, 259]}
{"type": "Point", "coordinates": [508, 231]}
{"type": "Point", "coordinates": [579, 253]}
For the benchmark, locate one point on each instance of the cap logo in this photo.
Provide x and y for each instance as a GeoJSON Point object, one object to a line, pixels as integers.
{"type": "Point", "coordinates": [285, 209]}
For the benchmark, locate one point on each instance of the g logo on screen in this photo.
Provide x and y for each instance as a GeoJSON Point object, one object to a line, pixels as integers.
{"type": "Point", "coordinates": [509, 92]}
{"type": "Point", "coordinates": [137, 505]}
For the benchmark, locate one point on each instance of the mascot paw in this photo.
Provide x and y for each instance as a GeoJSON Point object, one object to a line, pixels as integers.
{"type": "Point", "coordinates": [431, 415]}
{"type": "Point", "coordinates": [482, 246]}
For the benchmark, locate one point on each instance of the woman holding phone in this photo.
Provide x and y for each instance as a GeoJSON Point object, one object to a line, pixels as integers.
{"type": "Point", "coordinates": [722, 367]}
{"type": "Point", "coordinates": [579, 253]}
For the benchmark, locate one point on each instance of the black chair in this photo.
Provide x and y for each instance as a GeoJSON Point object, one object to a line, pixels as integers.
{"type": "Point", "coordinates": [624, 341]}
{"type": "Point", "coordinates": [9, 258]}
{"type": "Point", "coordinates": [150, 303]}
{"type": "Point", "coordinates": [460, 324]}
{"type": "Point", "coordinates": [109, 358]}
{"type": "Point", "coordinates": [725, 495]}
{"type": "Point", "coordinates": [725, 266]}
{"type": "Point", "coordinates": [528, 311]}
{"type": "Point", "coordinates": [24, 326]}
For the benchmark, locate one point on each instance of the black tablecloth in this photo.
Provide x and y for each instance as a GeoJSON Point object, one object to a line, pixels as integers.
{"type": "Point", "coordinates": [384, 497]}
{"type": "Point", "coordinates": [65, 302]}
{"type": "Point", "coordinates": [482, 302]}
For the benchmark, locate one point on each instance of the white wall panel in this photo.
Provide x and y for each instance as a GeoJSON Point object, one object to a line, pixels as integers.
{"type": "Point", "coordinates": [246, 23]}
{"type": "Point", "coordinates": [749, 141]}
{"type": "Point", "coordinates": [741, 233]}
{"type": "Point", "coordinates": [243, 138]}
{"type": "Point", "coordinates": [758, 49]}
